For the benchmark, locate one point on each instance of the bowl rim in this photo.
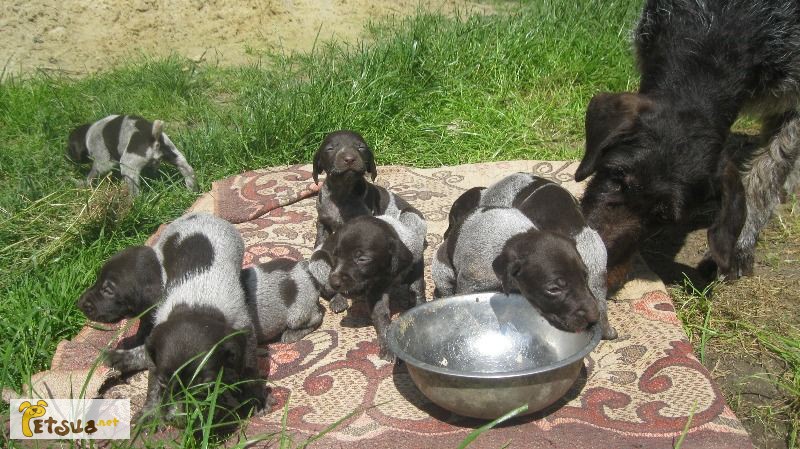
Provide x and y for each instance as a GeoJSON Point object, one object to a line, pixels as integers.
{"type": "Point", "coordinates": [392, 340]}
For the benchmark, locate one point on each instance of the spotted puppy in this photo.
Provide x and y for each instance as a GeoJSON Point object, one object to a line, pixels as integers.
{"type": "Point", "coordinates": [498, 247]}
{"type": "Point", "coordinates": [203, 326]}
{"type": "Point", "coordinates": [283, 297]}
{"type": "Point", "coordinates": [346, 158]}
{"type": "Point", "coordinates": [127, 286]}
{"type": "Point", "coordinates": [130, 142]}
{"type": "Point", "coordinates": [552, 208]}
{"type": "Point", "coordinates": [375, 258]}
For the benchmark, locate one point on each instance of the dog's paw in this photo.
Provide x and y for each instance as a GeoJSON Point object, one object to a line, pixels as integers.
{"type": "Point", "coordinates": [339, 304]}
{"type": "Point", "coordinates": [127, 360]}
{"type": "Point", "coordinates": [609, 333]}
{"type": "Point", "coordinates": [294, 335]}
{"type": "Point", "coordinates": [387, 355]}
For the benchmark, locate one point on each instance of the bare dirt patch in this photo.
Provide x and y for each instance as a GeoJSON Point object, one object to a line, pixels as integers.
{"type": "Point", "coordinates": [84, 36]}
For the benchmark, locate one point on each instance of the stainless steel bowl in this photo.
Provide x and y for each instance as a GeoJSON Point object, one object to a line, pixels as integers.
{"type": "Point", "coordinates": [483, 355]}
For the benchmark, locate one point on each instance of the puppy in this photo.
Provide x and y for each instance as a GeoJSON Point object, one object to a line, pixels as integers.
{"type": "Point", "coordinates": [130, 142]}
{"type": "Point", "coordinates": [346, 158]}
{"type": "Point", "coordinates": [283, 297]}
{"type": "Point", "coordinates": [499, 247]}
{"type": "Point", "coordinates": [203, 326]}
{"type": "Point", "coordinates": [659, 153]}
{"type": "Point", "coordinates": [128, 285]}
{"type": "Point", "coordinates": [552, 208]}
{"type": "Point", "coordinates": [373, 258]}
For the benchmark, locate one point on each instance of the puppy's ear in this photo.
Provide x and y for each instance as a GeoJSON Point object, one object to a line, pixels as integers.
{"type": "Point", "coordinates": [317, 165]}
{"type": "Point", "coordinates": [608, 118]}
{"type": "Point", "coordinates": [506, 266]}
{"type": "Point", "coordinates": [401, 257]}
{"type": "Point", "coordinates": [370, 163]}
{"type": "Point", "coordinates": [232, 352]}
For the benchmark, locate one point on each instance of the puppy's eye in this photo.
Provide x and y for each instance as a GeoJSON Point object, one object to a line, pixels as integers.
{"type": "Point", "coordinates": [329, 148]}
{"type": "Point", "coordinates": [363, 260]}
{"type": "Point", "coordinates": [107, 289]}
{"type": "Point", "coordinates": [556, 287]}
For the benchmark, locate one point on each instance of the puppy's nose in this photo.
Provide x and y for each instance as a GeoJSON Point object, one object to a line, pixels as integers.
{"type": "Point", "coordinates": [349, 159]}
{"type": "Point", "coordinates": [590, 313]}
{"type": "Point", "coordinates": [86, 306]}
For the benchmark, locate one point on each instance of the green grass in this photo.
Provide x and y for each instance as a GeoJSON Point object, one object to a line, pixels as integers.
{"type": "Point", "coordinates": [425, 91]}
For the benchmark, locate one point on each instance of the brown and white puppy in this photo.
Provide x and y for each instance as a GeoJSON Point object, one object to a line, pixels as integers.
{"type": "Point", "coordinates": [551, 208]}
{"type": "Point", "coordinates": [374, 258]}
{"type": "Point", "coordinates": [203, 326]}
{"type": "Point", "coordinates": [526, 234]}
{"type": "Point", "coordinates": [346, 158]}
{"type": "Point", "coordinates": [128, 285]}
{"type": "Point", "coordinates": [127, 141]}
{"type": "Point", "coordinates": [283, 296]}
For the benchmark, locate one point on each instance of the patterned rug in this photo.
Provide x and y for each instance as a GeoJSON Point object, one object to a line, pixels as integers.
{"type": "Point", "coordinates": [636, 391]}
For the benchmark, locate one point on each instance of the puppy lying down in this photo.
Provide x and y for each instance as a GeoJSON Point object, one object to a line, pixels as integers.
{"type": "Point", "coordinates": [203, 326]}
{"type": "Point", "coordinates": [127, 141]}
{"type": "Point", "coordinates": [526, 234]}
{"type": "Point", "coordinates": [283, 296]}
{"type": "Point", "coordinates": [376, 258]}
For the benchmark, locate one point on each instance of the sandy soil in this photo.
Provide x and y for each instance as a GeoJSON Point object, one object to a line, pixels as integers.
{"type": "Point", "coordinates": [84, 36]}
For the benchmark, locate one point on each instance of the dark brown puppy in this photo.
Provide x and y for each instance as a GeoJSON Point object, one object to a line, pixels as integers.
{"type": "Point", "coordinates": [370, 261]}
{"type": "Point", "coordinates": [658, 153]}
{"type": "Point", "coordinates": [128, 285]}
{"type": "Point", "coordinates": [346, 158]}
{"type": "Point", "coordinates": [546, 268]}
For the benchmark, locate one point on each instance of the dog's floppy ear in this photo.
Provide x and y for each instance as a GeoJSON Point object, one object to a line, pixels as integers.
{"type": "Point", "coordinates": [401, 257]}
{"type": "Point", "coordinates": [317, 165]}
{"type": "Point", "coordinates": [505, 267]}
{"type": "Point", "coordinates": [370, 163]}
{"type": "Point", "coordinates": [608, 118]}
{"type": "Point", "coordinates": [232, 352]}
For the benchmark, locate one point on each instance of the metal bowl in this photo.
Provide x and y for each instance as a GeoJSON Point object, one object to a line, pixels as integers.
{"type": "Point", "coordinates": [483, 355]}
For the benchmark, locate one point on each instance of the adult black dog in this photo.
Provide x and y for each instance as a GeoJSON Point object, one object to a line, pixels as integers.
{"type": "Point", "coordinates": [658, 153]}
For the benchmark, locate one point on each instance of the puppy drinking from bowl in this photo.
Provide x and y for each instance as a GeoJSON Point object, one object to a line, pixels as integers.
{"type": "Point", "coordinates": [376, 258]}
{"type": "Point", "coordinates": [526, 234]}
{"type": "Point", "coordinates": [127, 141]}
{"type": "Point", "coordinates": [346, 158]}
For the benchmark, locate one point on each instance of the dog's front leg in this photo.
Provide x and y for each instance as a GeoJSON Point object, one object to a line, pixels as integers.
{"type": "Point", "coordinates": [155, 393]}
{"type": "Point", "coordinates": [724, 232]}
{"type": "Point", "coordinates": [131, 170]}
{"type": "Point", "coordinates": [176, 158]}
{"type": "Point", "coordinates": [381, 319]}
{"type": "Point", "coordinates": [128, 360]}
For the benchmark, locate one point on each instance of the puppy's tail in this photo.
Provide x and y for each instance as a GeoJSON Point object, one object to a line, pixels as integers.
{"type": "Point", "coordinates": [158, 127]}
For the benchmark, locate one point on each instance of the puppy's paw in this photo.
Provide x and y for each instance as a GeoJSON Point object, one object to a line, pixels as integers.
{"type": "Point", "coordinates": [339, 304]}
{"type": "Point", "coordinates": [127, 360]}
{"type": "Point", "coordinates": [609, 333]}
{"type": "Point", "coordinates": [387, 355]}
{"type": "Point", "coordinates": [293, 335]}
